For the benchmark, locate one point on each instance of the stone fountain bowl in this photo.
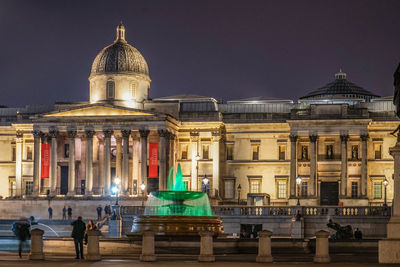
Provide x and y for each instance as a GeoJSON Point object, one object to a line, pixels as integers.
{"type": "Point", "coordinates": [177, 195]}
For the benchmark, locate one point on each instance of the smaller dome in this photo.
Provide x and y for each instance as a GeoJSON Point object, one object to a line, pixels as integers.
{"type": "Point", "coordinates": [120, 57]}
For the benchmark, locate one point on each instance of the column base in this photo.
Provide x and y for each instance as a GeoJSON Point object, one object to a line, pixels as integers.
{"type": "Point", "coordinates": [70, 194]}
{"type": "Point", "coordinates": [393, 228]}
{"type": "Point", "coordinates": [93, 257]}
{"type": "Point", "coordinates": [322, 259]}
{"type": "Point", "coordinates": [148, 258]}
{"type": "Point", "coordinates": [389, 251]}
{"type": "Point", "coordinates": [264, 259]}
{"type": "Point", "coordinates": [88, 193]}
{"type": "Point", "coordinates": [36, 256]}
{"type": "Point", "coordinates": [206, 258]}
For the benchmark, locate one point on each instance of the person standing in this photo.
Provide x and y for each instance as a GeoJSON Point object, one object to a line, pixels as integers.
{"type": "Point", "coordinates": [50, 210]}
{"type": "Point", "coordinates": [106, 210]}
{"type": "Point", "coordinates": [78, 233]}
{"type": "Point", "coordinates": [89, 227]}
{"type": "Point", "coordinates": [21, 231]}
{"type": "Point", "coordinates": [64, 213]}
{"type": "Point", "coordinates": [69, 213]}
{"type": "Point", "coordinates": [99, 210]}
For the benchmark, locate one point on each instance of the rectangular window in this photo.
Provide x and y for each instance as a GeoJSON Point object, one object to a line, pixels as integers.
{"type": "Point", "coordinates": [186, 184]}
{"type": "Point", "coordinates": [377, 190]}
{"type": "Point", "coordinates": [282, 189]}
{"type": "Point", "coordinates": [304, 152]}
{"type": "Point", "coordinates": [110, 90]}
{"type": "Point", "coordinates": [206, 151]}
{"type": "Point", "coordinates": [378, 151]}
{"type": "Point", "coordinates": [255, 149]}
{"type": "Point", "coordinates": [14, 154]}
{"type": "Point", "coordinates": [28, 187]}
{"type": "Point", "coordinates": [66, 150]}
{"type": "Point", "coordinates": [229, 189]}
{"type": "Point", "coordinates": [354, 189]}
{"type": "Point", "coordinates": [354, 152]}
{"type": "Point", "coordinates": [184, 152]}
{"type": "Point", "coordinates": [255, 186]}
{"type": "Point", "coordinates": [329, 152]}
{"type": "Point", "coordinates": [229, 152]}
{"type": "Point", "coordinates": [282, 152]}
{"type": "Point", "coordinates": [304, 189]}
{"type": "Point", "coordinates": [28, 153]}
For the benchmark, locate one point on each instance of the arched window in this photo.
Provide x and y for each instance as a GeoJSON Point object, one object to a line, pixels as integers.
{"type": "Point", "coordinates": [110, 90]}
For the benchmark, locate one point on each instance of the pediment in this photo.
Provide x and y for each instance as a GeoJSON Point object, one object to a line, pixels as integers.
{"type": "Point", "coordinates": [99, 111]}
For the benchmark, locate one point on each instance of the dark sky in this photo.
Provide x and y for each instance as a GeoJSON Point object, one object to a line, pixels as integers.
{"type": "Point", "coordinates": [224, 49]}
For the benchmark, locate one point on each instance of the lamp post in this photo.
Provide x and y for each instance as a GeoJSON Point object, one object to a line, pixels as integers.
{"type": "Point", "coordinates": [143, 187]}
{"type": "Point", "coordinates": [115, 188]}
{"type": "Point", "coordinates": [385, 184]}
{"type": "Point", "coordinates": [238, 189]}
{"type": "Point", "coordinates": [197, 158]}
{"type": "Point", "coordinates": [298, 182]}
{"type": "Point", "coordinates": [205, 185]}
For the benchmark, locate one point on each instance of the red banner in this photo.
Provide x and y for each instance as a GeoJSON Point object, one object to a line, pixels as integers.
{"type": "Point", "coordinates": [153, 160]}
{"type": "Point", "coordinates": [45, 159]}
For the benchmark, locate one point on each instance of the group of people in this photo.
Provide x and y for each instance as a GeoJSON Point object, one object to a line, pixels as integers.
{"type": "Point", "coordinates": [80, 234]}
{"type": "Point", "coordinates": [68, 211]}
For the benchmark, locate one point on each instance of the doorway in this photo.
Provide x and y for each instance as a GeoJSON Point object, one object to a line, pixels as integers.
{"type": "Point", "coordinates": [329, 193]}
{"type": "Point", "coordinates": [64, 180]}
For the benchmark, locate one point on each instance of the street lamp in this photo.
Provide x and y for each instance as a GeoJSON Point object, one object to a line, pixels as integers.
{"type": "Point", "coordinates": [298, 182]}
{"type": "Point", "coordinates": [197, 158]}
{"type": "Point", "coordinates": [385, 183]}
{"type": "Point", "coordinates": [143, 187]}
{"type": "Point", "coordinates": [115, 189]}
{"type": "Point", "coordinates": [205, 185]}
{"type": "Point", "coordinates": [238, 189]}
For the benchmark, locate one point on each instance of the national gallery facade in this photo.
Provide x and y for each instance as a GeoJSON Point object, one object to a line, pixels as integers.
{"type": "Point", "coordinates": [331, 147]}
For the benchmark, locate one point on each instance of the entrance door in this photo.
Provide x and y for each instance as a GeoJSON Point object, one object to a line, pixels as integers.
{"type": "Point", "coordinates": [64, 180]}
{"type": "Point", "coordinates": [329, 193]}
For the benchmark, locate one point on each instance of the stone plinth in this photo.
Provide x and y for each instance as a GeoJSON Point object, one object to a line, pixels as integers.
{"type": "Point", "coordinates": [148, 247]}
{"type": "Point", "coordinates": [322, 247]}
{"type": "Point", "coordinates": [93, 248]}
{"type": "Point", "coordinates": [206, 247]}
{"type": "Point", "coordinates": [36, 252]}
{"type": "Point", "coordinates": [114, 228]}
{"type": "Point", "coordinates": [264, 246]}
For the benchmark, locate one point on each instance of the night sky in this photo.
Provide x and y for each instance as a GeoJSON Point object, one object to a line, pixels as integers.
{"type": "Point", "coordinates": [224, 49]}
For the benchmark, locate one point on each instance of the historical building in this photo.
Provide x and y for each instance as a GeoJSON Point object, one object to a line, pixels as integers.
{"type": "Point", "coordinates": [330, 147]}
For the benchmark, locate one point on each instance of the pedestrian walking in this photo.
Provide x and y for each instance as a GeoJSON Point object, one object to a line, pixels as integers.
{"type": "Point", "coordinates": [69, 213]}
{"type": "Point", "coordinates": [78, 233]}
{"type": "Point", "coordinates": [21, 230]}
{"type": "Point", "coordinates": [64, 213]}
{"type": "Point", "coordinates": [50, 210]}
{"type": "Point", "coordinates": [99, 210]}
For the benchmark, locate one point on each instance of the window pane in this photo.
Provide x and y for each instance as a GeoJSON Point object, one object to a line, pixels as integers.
{"type": "Point", "coordinates": [354, 189]}
{"type": "Point", "coordinates": [29, 188]}
{"type": "Point", "coordinates": [229, 152]}
{"type": "Point", "coordinates": [281, 152]}
{"type": "Point", "coordinates": [255, 152]}
{"type": "Point", "coordinates": [282, 189]}
{"type": "Point", "coordinates": [229, 189]}
{"type": "Point", "coordinates": [304, 189]}
{"type": "Point", "coordinates": [377, 190]}
{"type": "Point", "coordinates": [254, 186]}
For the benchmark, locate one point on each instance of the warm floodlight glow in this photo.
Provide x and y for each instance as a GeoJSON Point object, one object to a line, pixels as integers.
{"type": "Point", "coordinates": [143, 186]}
{"type": "Point", "coordinates": [385, 182]}
{"type": "Point", "coordinates": [298, 180]}
{"type": "Point", "coordinates": [197, 157]}
{"type": "Point", "coordinates": [117, 180]}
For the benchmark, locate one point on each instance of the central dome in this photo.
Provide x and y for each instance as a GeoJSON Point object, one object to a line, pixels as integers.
{"type": "Point", "coordinates": [120, 57]}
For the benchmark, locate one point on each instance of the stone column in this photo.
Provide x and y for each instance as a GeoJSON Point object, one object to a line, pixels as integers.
{"type": "Point", "coordinates": [135, 165]}
{"type": "Point", "coordinates": [364, 155]}
{"type": "Point", "coordinates": [53, 161]}
{"type": "Point", "coordinates": [206, 247]}
{"type": "Point", "coordinates": [101, 164]}
{"type": "Point", "coordinates": [389, 248]}
{"type": "Point", "coordinates": [93, 248]}
{"type": "Point", "coordinates": [125, 161]}
{"type": "Point", "coordinates": [18, 162]}
{"type": "Point", "coordinates": [36, 252]}
{"type": "Point", "coordinates": [148, 247]}
{"type": "Point", "coordinates": [89, 162]}
{"type": "Point", "coordinates": [36, 162]}
{"type": "Point", "coordinates": [118, 157]}
{"type": "Point", "coordinates": [215, 157]}
{"type": "Point", "coordinates": [343, 178]}
{"type": "Point", "coordinates": [194, 138]}
{"type": "Point", "coordinates": [322, 247]}
{"type": "Point", "coordinates": [264, 246]}
{"type": "Point", "coordinates": [162, 182]}
{"type": "Point", "coordinates": [71, 163]}
{"type": "Point", "coordinates": [171, 161]}
{"type": "Point", "coordinates": [293, 165]}
{"type": "Point", "coordinates": [143, 170]}
{"type": "Point", "coordinates": [107, 160]}
{"type": "Point", "coordinates": [313, 165]}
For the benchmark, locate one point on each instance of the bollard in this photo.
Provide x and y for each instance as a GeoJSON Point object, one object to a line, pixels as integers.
{"type": "Point", "coordinates": [322, 247]}
{"type": "Point", "coordinates": [206, 247]}
{"type": "Point", "coordinates": [36, 252]}
{"type": "Point", "coordinates": [148, 247]}
{"type": "Point", "coordinates": [93, 248]}
{"type": "Point", "coordinates": [264, 246]}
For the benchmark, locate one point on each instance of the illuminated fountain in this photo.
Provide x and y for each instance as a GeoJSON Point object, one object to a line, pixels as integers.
{"type": "Point", "coordinates": [177, 211]}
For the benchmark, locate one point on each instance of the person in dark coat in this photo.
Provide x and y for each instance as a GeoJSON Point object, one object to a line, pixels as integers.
{"type": "Point", "coordinates": [64, 213]}
{"type": "Point", "coordinates": [69, 213]}
{"type": "Point", "coordinates": [99, 210]}
{"type": "Point", "coordinates": [78, 233]}
{"type": "Point", "coordinates": [50, 210]}
{"type": "Point", "coordinates": [21, 230]}
{"type": "Point", "coordinates": [358, 234]}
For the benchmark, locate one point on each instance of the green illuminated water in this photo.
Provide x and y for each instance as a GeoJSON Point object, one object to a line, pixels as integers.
{"type": "Point", "coordinates": [177, 201]}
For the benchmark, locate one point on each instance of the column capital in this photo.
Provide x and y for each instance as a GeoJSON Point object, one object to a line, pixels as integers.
{"type": "Point", "coordinates": [107, 133]}
{"type": "Point", "coordinates": [89, 133]}
{"type": "Point", "coordinates": [171, 136]}
{"type": "Point", "coordinates": [36, 133]}
{"type": "Point", "coordinates": [293, 137]}
{"type": "Point", "coordinates": [163, 133]}
{"type": "Point", "coordinates": [126, 133]}
{"type": "Point", "coordinates": [144, 133]}
{"type": "Point", "coordinates": [364, 137]}
{"type": "Point", "coordinates": [313, 138]}
{"type": "Point", "coordinates": [19, 134]}
{"type": "Point", "coordinates": [53, 132]}
{"type": "Point", "coordinates": [194, 136]}
{"type": "Point", "coordinates": [344, 137]}
{"type": "Point", "coordinates": [71, 133]}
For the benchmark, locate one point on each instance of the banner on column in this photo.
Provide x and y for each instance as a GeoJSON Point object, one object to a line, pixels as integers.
{"type": "Point", "coordinates": [45, 159]}
{"type": "Point", "coordinates": [153, 160]}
